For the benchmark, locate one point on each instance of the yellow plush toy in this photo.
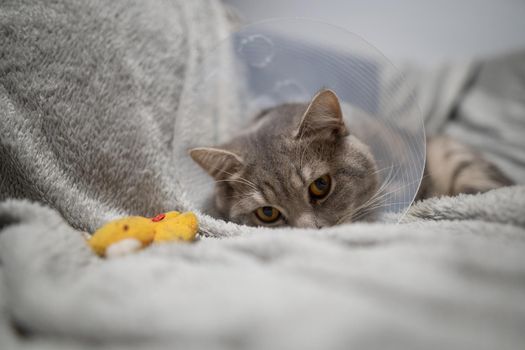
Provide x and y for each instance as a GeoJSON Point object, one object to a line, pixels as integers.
{"type": "Point", "coordinates": [128, 234]}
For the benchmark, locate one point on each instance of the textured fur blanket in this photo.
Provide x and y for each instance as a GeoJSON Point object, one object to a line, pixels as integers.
{"type": "Point", "coordinates": [90, 92]}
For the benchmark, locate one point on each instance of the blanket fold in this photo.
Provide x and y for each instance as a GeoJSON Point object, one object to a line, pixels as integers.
{"type": "Point", "coordinates": [457, 283]}
{"type": "Point", "coordinates": [91, 94]}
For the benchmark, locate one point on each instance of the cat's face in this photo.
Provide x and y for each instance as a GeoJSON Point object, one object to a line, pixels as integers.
{"type": "Point", "coordinates": [296, 166]}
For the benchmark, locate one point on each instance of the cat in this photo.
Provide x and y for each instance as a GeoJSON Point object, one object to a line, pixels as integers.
{"type": "Point", "coordinates": [298, 165]}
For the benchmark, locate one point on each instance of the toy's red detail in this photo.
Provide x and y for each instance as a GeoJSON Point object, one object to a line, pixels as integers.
{"type": "Point", "coordinates": [158, 217]}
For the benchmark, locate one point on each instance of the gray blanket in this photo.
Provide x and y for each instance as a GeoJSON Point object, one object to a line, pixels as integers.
{"type": "Point", "coordinates": [90, 92]}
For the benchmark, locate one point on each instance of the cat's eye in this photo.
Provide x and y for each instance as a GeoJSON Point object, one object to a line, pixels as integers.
{"type": "Point", "coordinates": [268, 214]}
{"type": "Point", "coordinates": [320, 187]}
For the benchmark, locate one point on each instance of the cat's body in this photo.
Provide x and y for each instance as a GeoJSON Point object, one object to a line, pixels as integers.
{"type": "Point", "coordinates": [298, 165]}
{"type": "Point", "coordinates": [453, 168]}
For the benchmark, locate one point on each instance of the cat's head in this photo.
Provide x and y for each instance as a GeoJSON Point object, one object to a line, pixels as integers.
{"type": "Point", "coordinates": [297, 165]}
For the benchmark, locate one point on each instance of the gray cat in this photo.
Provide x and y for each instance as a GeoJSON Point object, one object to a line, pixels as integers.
{"type": "Point", "coordinates": [298, 165]}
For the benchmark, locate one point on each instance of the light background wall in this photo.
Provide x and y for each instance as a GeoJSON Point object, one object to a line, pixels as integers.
{"type": "Point", "coordinates": [418, 31]}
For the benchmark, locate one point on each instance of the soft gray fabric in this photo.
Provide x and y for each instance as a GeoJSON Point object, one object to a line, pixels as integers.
{"type": "Point", "coordinates": [480, 103]}
{"type": "Point", "coordinates": [491, 115]}
{"type": "Point", "coordinates": [90, 94]}
{"type": "Point", "coordinates": [425, 284]}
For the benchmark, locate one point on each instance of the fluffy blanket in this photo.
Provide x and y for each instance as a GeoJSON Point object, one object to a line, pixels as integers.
{"type": "Point", "coordinates": [90, 92]}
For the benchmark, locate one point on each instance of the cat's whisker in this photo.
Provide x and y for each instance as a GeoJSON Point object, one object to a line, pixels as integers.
{"type": "Point", "coordinates": [367, 210]}
{"type": "Point", "coordinates": [373, 202]}
{"type": "Point", "coordinates": [248, 182]}
{"type": "Point", "coordinates": [378, 194]}
{"type": "Point", "coordinates": [304, 152]}
{"type": "Point", "coordinates": [357, 215]}
{"type": "Point", "coordinates": [377, 171]}
{"type": "Point", "coordinates": [242, 195]}
{"type": "Point", "coordinates": [400, 187]}
{"type": "Point", "coordinates": [392, 191]}
{"type": "Point", "coordinates": [352, 211]}
{"type": "Point", "coordinates": [238, 179]}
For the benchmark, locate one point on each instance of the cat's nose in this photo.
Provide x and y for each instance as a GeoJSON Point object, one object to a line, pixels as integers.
{"type": "Point", "coordinates": [306, 220]}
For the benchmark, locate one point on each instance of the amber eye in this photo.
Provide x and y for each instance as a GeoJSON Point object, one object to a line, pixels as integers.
{"type": "Point", "coordinates": [268, 214]}
{"type": "Point", "coordinates": [320, 187]}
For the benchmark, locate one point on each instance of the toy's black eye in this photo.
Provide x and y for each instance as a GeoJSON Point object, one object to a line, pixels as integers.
{"type": "Point", "coordinates": [320, 187]}
{"type": "Point", "coordinates": [268, 214]}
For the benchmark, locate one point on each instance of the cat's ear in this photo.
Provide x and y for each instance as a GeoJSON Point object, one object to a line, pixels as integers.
{"type": "Point", "coordinates": [323, 118]}
{"type": "Point", "coordinates": [218, 163]}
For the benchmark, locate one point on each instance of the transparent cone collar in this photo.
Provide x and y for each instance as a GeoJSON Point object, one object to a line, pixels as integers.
{"type": "Point", "coordinates": [289, 60]}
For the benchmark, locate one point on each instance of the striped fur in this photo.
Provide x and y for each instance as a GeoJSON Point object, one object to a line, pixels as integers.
{"type": "Point", "coordinates": [453, 168]}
